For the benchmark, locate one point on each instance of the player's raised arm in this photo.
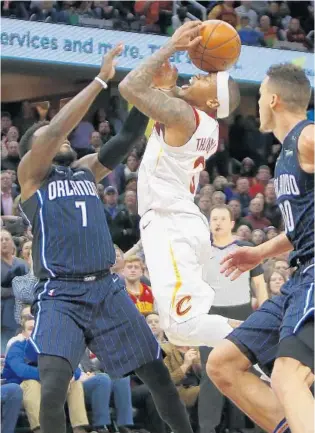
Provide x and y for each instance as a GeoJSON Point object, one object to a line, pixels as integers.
{"type": "Point", "coordinates": [246, 258]}
{"type": "Point", "coordinates": [46, 141]}
{"type": "Point", "coordinates": [137, 89]}
{"type": "Point", "coordinates": [117, 148]}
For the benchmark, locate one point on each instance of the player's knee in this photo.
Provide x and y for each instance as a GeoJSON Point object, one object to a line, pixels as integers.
{"type": "Point", "coordinates": [224, 363]}
{"type": "Point", "coordinates": [288, 367]}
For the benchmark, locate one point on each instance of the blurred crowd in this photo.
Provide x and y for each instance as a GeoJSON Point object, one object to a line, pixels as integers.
{"type": "Point", "coordinates": [278, 24]}
{"type": "Point", "coordinates": [238, 178]}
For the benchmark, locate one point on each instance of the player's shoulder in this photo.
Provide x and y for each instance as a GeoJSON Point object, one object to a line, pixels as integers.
{"type": "Point", "coordinates": [307, 135]}
{"type": "Point", "coordinates": [204, 118]}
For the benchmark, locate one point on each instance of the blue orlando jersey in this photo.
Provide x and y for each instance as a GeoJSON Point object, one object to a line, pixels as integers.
{"type": "Point", "coordinates": [295, 196]}
{"type": "Point", "coordinates": [70, 232]}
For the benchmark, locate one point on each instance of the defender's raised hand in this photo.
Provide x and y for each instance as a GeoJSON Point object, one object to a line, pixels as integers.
{"type": "Point", "coordinates": [107, 71]}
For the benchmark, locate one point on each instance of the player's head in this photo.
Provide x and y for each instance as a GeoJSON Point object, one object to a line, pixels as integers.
{"type": "Point", "coordinates": [215, 93]}
{"type": "Point", "coordinates": [286, 89]}
{"type": "Point", "coordinates": [66, 155]}
{"type": "Point", "coordinates": [133, 269]}
{"type": "Point", "coordinates": [27, 327]}
{"type": "Point", "coordinates": [221, 221]}
{"type": "Point", "coordinates": [26, 312]}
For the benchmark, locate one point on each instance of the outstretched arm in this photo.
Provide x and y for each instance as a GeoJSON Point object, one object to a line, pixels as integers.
{"type": "Point", "coordinates": [137, 89]}
{"type": "Point", "coordinates": [117, 148]}
{"type": "Point", "coordinates": [36, 163]}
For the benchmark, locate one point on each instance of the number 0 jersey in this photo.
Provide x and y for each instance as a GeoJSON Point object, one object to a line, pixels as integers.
{"type": "Point", "coordinates": [70, 232]}
{"type": "Point", "coordinates": [295, 196]}
{"type": "Point", "coordinates": [168, 176]}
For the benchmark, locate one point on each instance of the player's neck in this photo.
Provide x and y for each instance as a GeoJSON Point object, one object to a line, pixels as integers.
{"type": "Point", "coordinates": [285, 122]}
{"type": "Point", "coordinates": [223, 241]}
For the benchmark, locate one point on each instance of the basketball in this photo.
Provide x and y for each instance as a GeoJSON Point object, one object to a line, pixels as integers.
{"type": "Point", "coordinates": [219, 48]}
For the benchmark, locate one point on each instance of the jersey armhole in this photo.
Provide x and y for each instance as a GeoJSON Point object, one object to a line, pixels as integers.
{"type": "Point", "coordinates": [197, 118]}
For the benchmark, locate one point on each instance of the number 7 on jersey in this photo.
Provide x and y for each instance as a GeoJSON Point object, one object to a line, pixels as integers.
{"type": "Point", "coordinates": [82, 205]}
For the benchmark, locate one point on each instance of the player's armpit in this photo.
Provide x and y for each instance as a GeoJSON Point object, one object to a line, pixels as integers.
{"type": "Point", "coordinates": [306, 147]}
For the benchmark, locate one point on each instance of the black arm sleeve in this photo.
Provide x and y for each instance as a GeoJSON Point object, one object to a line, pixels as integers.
{"type": "Point", "coordinates": [117, 148]}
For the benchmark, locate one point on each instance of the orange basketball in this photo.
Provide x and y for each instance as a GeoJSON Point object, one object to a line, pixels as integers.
{"type": "Point", "coordinates": [219, 48]}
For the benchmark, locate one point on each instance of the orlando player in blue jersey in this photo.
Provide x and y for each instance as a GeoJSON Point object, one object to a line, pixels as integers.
{"type": "Point", "coordinates": [280, 334]}
{"type": "Point", "coordinates": [78, 302]}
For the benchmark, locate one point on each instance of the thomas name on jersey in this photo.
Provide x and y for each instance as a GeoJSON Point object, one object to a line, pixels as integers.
{"type": "Point", "coordinates": [206, 144]}
{"type": "Point", "coordinates": [286, 184]}
{"type": "Point", "coordinates": [68, 188]}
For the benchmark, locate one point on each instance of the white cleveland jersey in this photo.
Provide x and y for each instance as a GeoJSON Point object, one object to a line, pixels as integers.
{"type": "Point", "coordinates": [168, 176]}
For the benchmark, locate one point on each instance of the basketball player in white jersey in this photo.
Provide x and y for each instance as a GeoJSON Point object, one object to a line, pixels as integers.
{"type": "Point", "coordinates": [174, 233]}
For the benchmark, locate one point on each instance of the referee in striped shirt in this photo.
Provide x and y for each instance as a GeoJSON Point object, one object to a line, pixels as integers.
{"type": "Point", "coordinates": [232, 299]}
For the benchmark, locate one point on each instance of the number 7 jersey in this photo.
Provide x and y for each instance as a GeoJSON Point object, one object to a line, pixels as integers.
{"type": "Point", "coordinates": [70, 232]}
{"type": "Point", "coordinates": [168, 176]}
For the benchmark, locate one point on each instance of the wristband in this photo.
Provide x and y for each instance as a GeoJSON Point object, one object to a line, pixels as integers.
{"type": "Point", "coordinates": [102, 82]}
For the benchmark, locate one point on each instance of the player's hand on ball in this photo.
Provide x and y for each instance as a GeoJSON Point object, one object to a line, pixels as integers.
{"type": "Point", "coordinates": [242, 260]}
{"type": "Point", "coordinates": [190, 356]}
{"type": "Point", "coordinates": [107, 71]}
{"type": "Point", "coordinates": [166, 76]}
{"type": "Point", "coordinates": [187, 36]}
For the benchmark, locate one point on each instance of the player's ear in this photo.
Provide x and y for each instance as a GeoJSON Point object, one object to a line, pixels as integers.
{"type": "Point", "coordinates": [274, 101]}
{"type": "Point", "coordinates": [213, 104]}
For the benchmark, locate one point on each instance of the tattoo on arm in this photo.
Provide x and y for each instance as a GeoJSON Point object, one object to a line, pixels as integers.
{"type": "Point", "coordinates": [159, 105]}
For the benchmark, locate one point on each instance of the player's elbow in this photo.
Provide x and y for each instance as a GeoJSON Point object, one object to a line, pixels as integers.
{"type": "Point", "coordinates": [125, 89]}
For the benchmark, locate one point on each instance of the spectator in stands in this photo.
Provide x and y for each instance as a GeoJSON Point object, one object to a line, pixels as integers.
{"type": "Point", "coordinates": [11, 404]}
{"type": "Point", "coordinates": [111, 201]}
{"type": "Point", "coordinates": [131, 182]}
{"type": "Point", "coordinates": [256, 217]}
{"type": "Point", "coordinates": [105, 131]}
{"type": "Point", "coordinates": [80, 137]}
{"type": "Point", "coordinates": [184, 366]}
{"type": "Point", "coordinates": [218, 198]}
{"type": "Point", "coordinates": [244, 233]}
{"type": "Point", "coordinates": [245, 10]}
{"type": "Point", "coordinates": [207, 190]}
{"type": "Point", "coordinates": [6, 122]}
{"type": "Point", "coordinates": [261, 180]}
{"type": "Point", "coordinates": [258, 237]}
{"type": "Point", "coordinates": [26, 249]}
{"type": "Point", "coordinates": [125, 229]}
{"type": "Point", "coordinates": [242, 193]}
{"type": "Point", "coordinates": [13, 134]}
{"type": "Point", "coordinates": [116, 178]}
{"type": "Point", "coordinates": [271, 232]}
{"type": "Point", "coordinates": [17, 369]}
{"type": "Point", "coordinates": [10, 267]}
{"type": "Point", "coordinates": [220, 183]}
{"type": "Point", "coordinates": [132, 165]}
{"type": "Point", "coordinates": [140, 293]}
{"type": "Point", "coordinates": [204, 179]}
{"type": "Point", "coordinates": [282, 266]}
{"type": "Point", "coordinates": [225, 12]}
{"type": "Point", "coordinates": [275, 281]}
{"type": "Point", "coordinates": [274, 14]}
{"type": "Point", "coordinates": [295, 33]}
{"type": "Point", "coordinates": [179, 18]}
{"type": "Point", "coordinates": [153, 320]}
{"type": "Point", "coordinates": [12, 160]}
{"type": "Point", "coordinates": [284, 12]}
{"type": "Point", "coordinates": [270, 33]}
{"type": "Point", "coordinates": [204, 205]}
{"type": "Point", "coordinates": [235, 206]}
{"type": "Point", "coordinates": [248, 35]}
{"type": "Point", "coordinates": [98, 387]}
{"type": "Point", "coordinates": [26, 118]}
{"type": "Point", "coordinates": [248, 169]}
{"type": "Point", "coordinates": [96, 141]}
{"type": "Point", "coordinates": [8, 193]}
{"type": "Point", "coordinates": [271, 209]}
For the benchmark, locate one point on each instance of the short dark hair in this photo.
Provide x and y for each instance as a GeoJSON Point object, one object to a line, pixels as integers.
{"type": "Point", "coordinates": [234, 95]}
{"type": "Point", "coordinates": [292, 84]}
{"type": "Point", "coordinates": [223, 206]}
{"type": "Point", "coordinates": [26, 140]}
{"type": "Point", "coordinates": [5, 114]}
